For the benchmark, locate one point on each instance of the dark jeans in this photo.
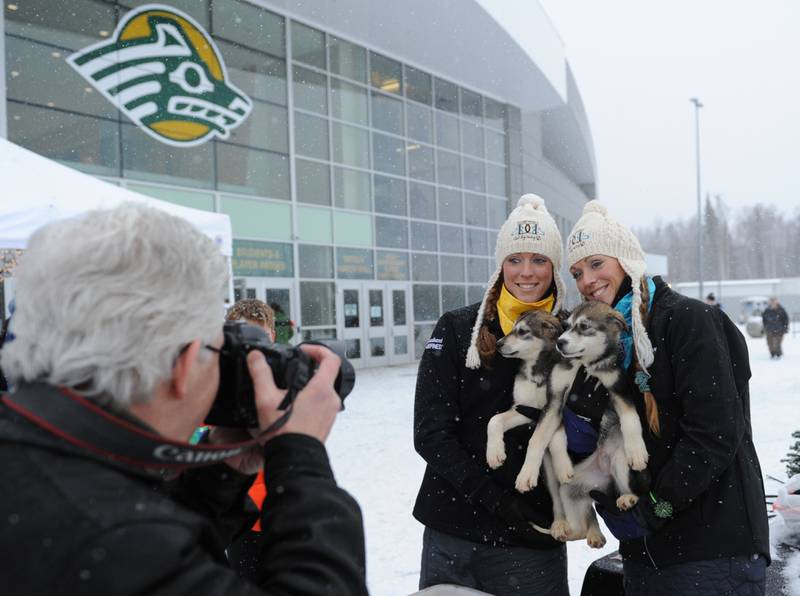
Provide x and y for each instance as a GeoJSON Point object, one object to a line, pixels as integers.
{"type": "Point", "coordinates": [774, 341]}
{"type": "Point", "coordinates": [732, 576]}
{"type": "Point", "coordinates": [498, 570]}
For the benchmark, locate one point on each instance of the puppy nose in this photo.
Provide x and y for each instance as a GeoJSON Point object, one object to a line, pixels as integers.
{"type": "Point", "coordinates": [560, 343]}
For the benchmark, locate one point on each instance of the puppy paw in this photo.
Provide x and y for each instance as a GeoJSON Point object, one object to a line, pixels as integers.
{"type": "Point", "coordinates": [565, 476]}
{"type": "Point", "coordinates": [526, 480]}
{"type": "Point", "coordinates": [560, 530]}
{"type": "Point", "coordinates": [637, 457]}
{"type": "Point", "coordinates": [626, 501]}
{"type": "Point", "coordinates": [595, 538]}
{"type": "Point", "coordinates": [495, 455]}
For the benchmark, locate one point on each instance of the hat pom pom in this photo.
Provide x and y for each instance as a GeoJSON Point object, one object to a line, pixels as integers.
{"type": "Point", "coordinates": [535, 201]}
{"type": "Point", "coordinates": [595, 207]}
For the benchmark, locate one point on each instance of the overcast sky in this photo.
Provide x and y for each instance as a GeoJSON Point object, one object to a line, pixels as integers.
{"type": "Point", "coordinates": [637, 63]}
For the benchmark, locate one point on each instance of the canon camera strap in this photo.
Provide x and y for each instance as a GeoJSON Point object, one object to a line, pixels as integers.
{"type": "Point", "coordinates": [88, 426]}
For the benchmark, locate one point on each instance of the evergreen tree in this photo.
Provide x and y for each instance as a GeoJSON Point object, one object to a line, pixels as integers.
{"type": "Point", "coordinates": [793, 457]}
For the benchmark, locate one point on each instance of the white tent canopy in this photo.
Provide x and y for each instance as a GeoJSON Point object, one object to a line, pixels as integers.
{"type": "Point", "coordinates": [37, 190]}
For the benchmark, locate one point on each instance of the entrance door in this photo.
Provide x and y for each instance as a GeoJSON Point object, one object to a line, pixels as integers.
{"type": "Point", "coordinates": [351, 322]}
{"type": "Point", "coordinates": [399, 348]}
{"type": "Point", "coordinates": [378, 322]}
{"type": "Point", "coordinates": [273, 291]}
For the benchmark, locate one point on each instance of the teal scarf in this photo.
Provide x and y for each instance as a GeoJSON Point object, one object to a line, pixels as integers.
{"type": "Point", "coordinates": [624, 307]}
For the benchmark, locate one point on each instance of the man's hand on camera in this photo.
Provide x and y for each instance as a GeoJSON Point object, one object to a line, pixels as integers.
{"type": "Point", "coordinates": [316, 405]}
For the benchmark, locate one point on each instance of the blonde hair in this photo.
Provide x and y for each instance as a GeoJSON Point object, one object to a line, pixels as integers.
{"type": "Point", "coordinates": [253, 311]}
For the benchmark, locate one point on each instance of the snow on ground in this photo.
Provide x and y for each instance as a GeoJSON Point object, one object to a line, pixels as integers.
{"type": "Point", "coordinates": [373, 457]}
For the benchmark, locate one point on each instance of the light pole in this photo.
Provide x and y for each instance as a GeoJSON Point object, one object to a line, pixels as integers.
{"type": "Point", "coordinates": [697, 106]}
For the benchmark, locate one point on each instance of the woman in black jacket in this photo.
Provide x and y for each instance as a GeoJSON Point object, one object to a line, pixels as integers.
{"type": "Point", "coordinates": [702, 527]}
{"type": "Point", "coordinates": [477, 530]}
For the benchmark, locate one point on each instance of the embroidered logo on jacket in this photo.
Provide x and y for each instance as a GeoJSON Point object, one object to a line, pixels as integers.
{"type": "Point", "coordinates": [434, 343]}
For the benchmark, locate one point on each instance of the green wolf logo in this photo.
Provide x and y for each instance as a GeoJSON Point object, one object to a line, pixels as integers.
{"type": "Point", "coordinates": [166, 74]}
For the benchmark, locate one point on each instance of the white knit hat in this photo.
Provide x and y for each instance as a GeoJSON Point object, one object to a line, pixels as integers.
{"type": "Point", "coordinates": [529, 228]}
{"type": "Point", "coordinates": [597, 233]}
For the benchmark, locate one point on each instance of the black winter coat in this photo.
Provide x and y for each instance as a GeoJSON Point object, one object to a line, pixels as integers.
{"type": "Point", "coordinates": [453, 405]}
{"type": "Point", "coordinates": [74, 523]}
{"type": "Point", "coordinates": [704, 462]}
{"type": "Point", "coordinates": [775, 320]}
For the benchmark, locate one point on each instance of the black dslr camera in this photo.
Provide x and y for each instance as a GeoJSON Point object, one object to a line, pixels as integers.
{"type": "Point", "coordinates": [292, 368]}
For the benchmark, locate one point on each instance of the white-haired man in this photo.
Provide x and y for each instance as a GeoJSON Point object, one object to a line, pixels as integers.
{"type": "Point", "coordinates": [114, 362]}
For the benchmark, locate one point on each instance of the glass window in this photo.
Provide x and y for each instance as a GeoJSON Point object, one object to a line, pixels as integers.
{"type": "Point", "coordinates": [419, 85]}
{"type": "Point", "coordinates": [258, 219]}
{"type": "Point", "coordinates": [446, 96]}
{"type": "Point", "coordinates": [348, 60]}
{"type": "Point", "coordinates": [249, 171]}
{"type": "Point", "coordinates": [75, 28]}
{"type": "Point", "coordinates": [31, 69]}
{"type": "Point", "coordinates": [377, 346]}
{"type": "Point", "coordinates": [477, 269]}
{"type": "Point", "coordinates": [423, 236]}
{"type": "Point", "coordinates": [399, 307]}
{"type": "Point", "coordinates": [451, 239]}
{"type": "Point", "coordinates": [249, 25]}
{"type": "Point", "coordinates": [421, 335]}
{"type": "Point", "coordinates": [495, 146]}
{"type": "Point", "coordinates": [260, 76]}
{"type": "Point", "coordinates": [426, 306]}
{"type": "Point", "coordinates": [448, 168]}
{"type": "Point", "coordinates": [476, 242]}
{"type": "Point", "coordinates": [310, 92]}
{"type": "Point", "coordinates": [471, 105]}
{"type": "Point", "coordinates": [496, 179]}
{"type": "Point", "coordinates": [350, 145]}
{"type": "Point", "coordinates": [472, 138]}
{"type": "Point", "coordinates": [315, 261]}
{"type": "Point", "coordinates": [424, 267]}
{"type": "Point", "coordinates": [310, 136]}
{"type": "Point", "coordinates": [385, 74]}
{"type": "Point", "coordinates": [474, 210]}
{"type": "Point", "coordinates": [497, 212]}
{"type": "Point", "coordinates": [420, 122]}
{"type": "Point", "coordinates": [317, 303]}
{"type": "Point", "coordinates": [376, 310]}
{"type": "Point", "coordinates": [351, 303]}
{"type": "Point", "coordinates": [391, 232]}
{"type": "Point", "coordinates": [400, 344]}
{"type": "Point", "coordinates": [391, 264]}
{"type": "Point", "coordinates": [314, 224]}
{"type": "Point", "coordinates": [147, 159]}
{"type": "Point", "coordinates": [494, 113]}
{"type": "Point", "coordinates": [348, 102]}
{"type": "Point", "coordinates": [388, 154]}
{"type": "Point", "coordinates": [387, 113]}
{"type": "Point", "coordinates": [452, 268]}
{"type": "Point", "coordinates": [88, 144]}
{"type": "Point", "coordinates": [352, 347]}
{"type": "Point", "coordinates": [420, 161]}
{"type": "Point", "coordinates": [267, 127]}
{"type": "Point", "coordinates": [475, 294]}
{"type": "Point", "coordinates": [313, 182]}
{"type": "Point", "coordinates": [452, 297]}
{"type": "Point", "coordinates": [422, 201]}
{"type": "Point", "coordinates": [390, 195]}
{"type": "Point", "coordinates": [354, 263]}
{"type": "Point", "coordinates": [447, 131]}
{"type": "Point", "coordinates": [195, 200]}
{"type": "Point", "coordinates": [474, 177]}
{"type": "Point", "coordinates": [351, 189]}
{"type": "Point", "coordinates": [449, 205]}
{"type": "Point", "coordinates": [352, 228]}
{"type": "Point", "coordinates": [308, 45]}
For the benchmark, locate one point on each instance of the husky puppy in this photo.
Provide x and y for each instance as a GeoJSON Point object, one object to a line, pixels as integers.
{"type": "Point", "coordinates": [592, 338]}
{"type": "Point", "coordinates": [533, 340]}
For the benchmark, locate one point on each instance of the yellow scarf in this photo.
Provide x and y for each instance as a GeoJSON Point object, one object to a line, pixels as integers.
{"type": "Point", "coordinates": [509, 308]}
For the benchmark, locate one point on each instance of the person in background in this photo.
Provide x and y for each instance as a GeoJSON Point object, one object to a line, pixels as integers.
{"type": "Point", "coordinates": [284, 326]}
{"type": "Point", "coordinates": [478, 530]}
{"type": "Point", "coordinates": [243, 553]}
{"type": "Point", "coordinates": [776, 325]}
{"type": "Point", "coordinates": [702, 527]}
{"type": "Point", "coordinates": [118, 323]}
{"type": "Point", "coordinates": [711, 300]}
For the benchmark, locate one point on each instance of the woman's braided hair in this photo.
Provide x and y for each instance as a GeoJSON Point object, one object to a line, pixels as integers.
{"type": "Point", "coordinates": [487, 342]}
{"type": "Point", "coordinates": [650, 406]}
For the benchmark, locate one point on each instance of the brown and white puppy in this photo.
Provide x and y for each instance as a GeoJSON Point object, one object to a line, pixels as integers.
{"type": "Point", "coordinates": [592, 338]}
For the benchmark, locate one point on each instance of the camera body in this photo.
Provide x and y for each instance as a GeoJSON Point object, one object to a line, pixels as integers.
{"type": "Point", "coordinates": [234, 405]}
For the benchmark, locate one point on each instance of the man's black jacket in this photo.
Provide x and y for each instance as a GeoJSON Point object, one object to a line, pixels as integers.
{"type": "Point", "coordinates": [74, 523]}
{"type": "Point", "coordinates": [704, 462]}
{"type": "Point", "coordinates": [775, 320]}
{"type": "Point", "coordinates": [453, 405]}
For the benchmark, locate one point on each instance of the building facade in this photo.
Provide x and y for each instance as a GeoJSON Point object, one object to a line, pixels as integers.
{"type": "Point", "coordinates": [378, 148]}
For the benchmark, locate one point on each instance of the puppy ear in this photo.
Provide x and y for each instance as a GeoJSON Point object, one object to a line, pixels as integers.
{"type": "Point", "coordinates": [616, 318]}
{"type": "Point", "coordinates": [553, 328]}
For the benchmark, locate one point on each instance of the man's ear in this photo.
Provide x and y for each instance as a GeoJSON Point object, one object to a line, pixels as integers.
{"type": "Point", "coordinates": [182, 369]}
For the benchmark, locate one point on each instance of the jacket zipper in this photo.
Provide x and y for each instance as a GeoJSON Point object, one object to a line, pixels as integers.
{"type": "Point", "coordinates": [647, 550]}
